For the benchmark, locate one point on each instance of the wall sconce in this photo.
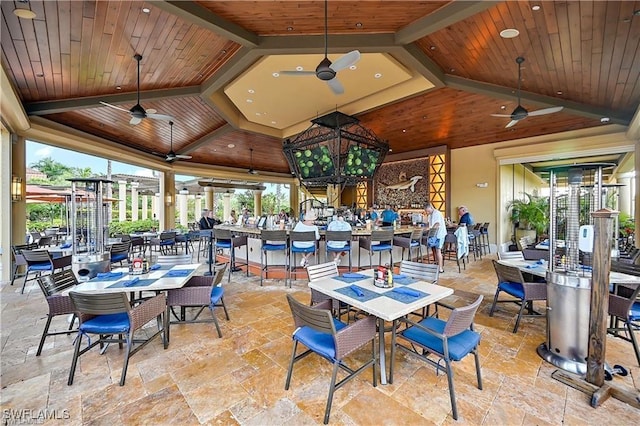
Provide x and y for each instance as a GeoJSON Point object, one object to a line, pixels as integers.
{"type": "Point", "coordinates": [168, 199]}
{"type": "Point", "coordinates": [184, 191]}
{"type": "Point", "coordinates": [482, 185]}
{"type": "Point", "coordinates": [17, 193]}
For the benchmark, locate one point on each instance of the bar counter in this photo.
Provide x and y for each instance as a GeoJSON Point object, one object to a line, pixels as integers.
{"type": "Point", "coordinates": [253, 232]}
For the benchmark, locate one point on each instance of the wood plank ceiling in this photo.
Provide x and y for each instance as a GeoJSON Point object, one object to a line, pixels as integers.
{"type": "Point", "coordinates": [582, 55]}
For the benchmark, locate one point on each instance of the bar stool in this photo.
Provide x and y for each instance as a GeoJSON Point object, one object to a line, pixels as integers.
{"type": "Point", "coordinates": [474, 241]}
{"type": "Point", "coordinates": [224, 239]}
{"type": "Point", "coordinates": [378, 242]}
{"type": "Point", "coordinates": [272, 241]}
{"type": "Point", "coordinates": [414, 241]}
{"type": "Point", "coordinates": [306, 236]}
{"type": "Point", "coordinates": [338, 236]}
{"type": "Point", "coordinates": [484, 240]}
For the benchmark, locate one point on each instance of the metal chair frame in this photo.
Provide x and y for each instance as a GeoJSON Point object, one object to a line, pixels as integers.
{"type": "Point", "coordinates": [268, 240]}
{"type": "Point", "coordinates": [382, 237]}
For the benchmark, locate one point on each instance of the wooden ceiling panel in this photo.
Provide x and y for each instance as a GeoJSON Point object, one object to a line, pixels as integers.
{"type": "Point", "coordinates": [307, 17]}
{"type": "Point", "coordinates": [74, 49]}
{"type": "Point", "coordinates": [267, 152]}
{"type": "Point", "coordinates": [588, 51]}
{"type": "Point", "coordinates": [458, 119]}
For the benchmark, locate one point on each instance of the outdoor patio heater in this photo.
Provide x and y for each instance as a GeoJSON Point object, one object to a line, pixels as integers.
{"type": "Point", "coordinates": [569, 275]}
{"type": "Point", "coordinates": [89, 228]}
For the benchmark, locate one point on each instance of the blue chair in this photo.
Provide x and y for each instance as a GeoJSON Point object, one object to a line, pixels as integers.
{"type": "Point", "coordinates": [224, 239]}
{"type": "Point", "coordinates": [341, 236]}
{"type": "Point", "coordinates": [110, 314]}
{"type": "Point", "coordinates": [450, 340]}
{"type": "Point", "coordinates": [413, 241]}
{"type": "Point", "coordinates": [333, 340]}
{"type": "Point", "coordinates": [522, 292]}
{"type": "Point", "coordinates": [624, 306]}
{"type": "Point", "coordinates": [52, 286]}
{"type": "Point", "coordinates": [119, 252]}
{"type": "Point", "coordinates": [303, 237]}
{"type": "Point", "coordinates": [378, 242]}
{"type": "Point", "coordinates": [272, 241]}
{"type": "Point", "coordinates": [39, 261]}
{"type": "Point", "coordinates": [165, 242]}
{"type": "Point", "coordinates": [19, 260]}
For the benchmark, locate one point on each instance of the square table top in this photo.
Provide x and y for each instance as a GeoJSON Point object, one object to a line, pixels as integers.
{"type": "Point", "coordinates": [383, 303]}
{"type": "Point", "coordinates": [541, 269]}
{"type": "Point", "coordinates": [155, 280]}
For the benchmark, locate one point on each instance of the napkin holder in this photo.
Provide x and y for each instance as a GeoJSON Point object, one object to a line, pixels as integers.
{"type": "Point", "coordinates": [139, 266]}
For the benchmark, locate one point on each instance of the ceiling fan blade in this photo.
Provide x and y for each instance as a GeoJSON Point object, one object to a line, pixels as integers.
{"type": "Point", "coordinates": [297, 73]}
{"type": "Point", "coordinates": [511, 123]}
{"type": "Point", "coordinates": [114, 106]}
{"type": "Point", "coordinates": [336, 86]}
{"type": "Point", "coordinates": [183, 156]}
{"type": "Point", "coordinates": [501, 115]}
{"type": "Point", "coordinates": [135, 120]}
{"type": "Point", "coordinates": [545, 111]}
{"type": "Point", "coordinates": [345, 61]}
{"type": "Point", "coordinates": [160, 117]}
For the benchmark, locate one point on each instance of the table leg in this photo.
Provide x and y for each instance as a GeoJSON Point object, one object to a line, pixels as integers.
{"type": "Point", "coordinates": [382, 357]}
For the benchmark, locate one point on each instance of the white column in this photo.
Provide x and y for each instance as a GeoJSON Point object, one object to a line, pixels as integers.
{"type": "Point", "coordinates": [145, 207]}
{"type": "Point", "coordinates": [182, 207]}
{"type": "Point", "coordinates": [257, 202]}
{"type": "Point", "coordinates": [134, 201]}
{"type": "Point", "coordinates": [624, 202]}
{"type": "Point", "coordinates": [198, 210]}
{"type": "Point", "coordinates": [122, 203]}
{"type": "Point", "coordinates": [208, 197]}
{"type": "Point", "coordinates": [226, 206]}
{"type": "Point", "coordinates": [156, 202]}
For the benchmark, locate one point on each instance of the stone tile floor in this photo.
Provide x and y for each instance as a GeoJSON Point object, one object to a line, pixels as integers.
{"type": "Point", "coordinates": [239, 379]}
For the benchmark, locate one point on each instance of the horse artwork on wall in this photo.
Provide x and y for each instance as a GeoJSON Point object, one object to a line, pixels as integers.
{"type": "Point", "coordinates": [403, 183]}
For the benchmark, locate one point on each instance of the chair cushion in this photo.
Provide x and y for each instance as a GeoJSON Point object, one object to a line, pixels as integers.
{"type": "Point", "coordinates": [44, 266]}
{"type": "Point", "coordinates": [273, 247]}
{"type": "Point", "coordinates": [459, 345]}
{"type": "Point", "coordinates": [634, 312]}
{"type": "Point", "coordinates": [167, 242]}
{"type": "Point", "coordinates": [216, 294]}
{"type": "Point", "coordinates": [319, 342]}
{"type": "Point", "coordinates": [107, 324]}
{"type": "Point", "coordinates": [311, 249]}
{"type": "Point", "coordinates": [117, 257]}
{"type": "Point", "coordinates": [381, 247]}
{"type": "Point", "coordinates": [223, 243]}
{"type": "Point", "coordinates": [345, 248]}
{"type": "Point", "coordinates": [514, 289]}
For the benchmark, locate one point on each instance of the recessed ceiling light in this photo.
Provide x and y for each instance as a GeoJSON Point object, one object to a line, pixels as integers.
{"type": "Point", "coordinates": [223, 51]}
{"type": "Point", "coordinates": [289, 28]}
{"type": "Point", "coordinates": [503, 107]}
{"type": "Point", "coordinates": [249, 101]}
{"type": "Point", "coordinates": [390, 150]}
{"type": "Point", "coordinates": [258, 114]}
{"type": "Point", "coordinates": [118, 87]}
{"type": "Point", "coordinates": [39, 75]}
{"type": "Point", "coordinates": [404, 130]}
{"type": "Point", "coordinates": [604, 119]}
{"type": "Point", "coordinates": [273, 122]}
{"type": "Point", "coordinates": [509, 33]}
{"type": "Point", "coordinates": [353, 67]}
{"type": "Point", "coordinates": [146, 10]}
{"type": "Point", "coordinates": [299, 68]}
{"type": "Point", "coordinates": [432, 48]}
{"type": "Point", "coordinates": [358, 24]}
{"type": "Point", "coordinates": [276, 74]}
{"type": "Point", "coordinates": [452, 70]}
{"type": "Point", "coordinates": [424, 117]}
{"type": "Point", "coordinates": [24, 13]}
{"type": "Point", "coordinates": [231, 145]}
{"type": "Point", "coordinates": [251, 91]}
{"type": "Point", "coordinates": [559, 92]}
{"type": "Point", "coordinates": [535, 7]}
{"type": "Point", "coordinates": [377, 75]}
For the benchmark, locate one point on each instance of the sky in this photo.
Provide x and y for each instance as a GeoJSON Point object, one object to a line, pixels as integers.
{"type": "Point", "coordinates": [37, 151]}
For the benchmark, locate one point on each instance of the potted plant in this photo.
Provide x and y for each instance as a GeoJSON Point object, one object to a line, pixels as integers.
{"type": "Point", "coordinates": [530, 216]}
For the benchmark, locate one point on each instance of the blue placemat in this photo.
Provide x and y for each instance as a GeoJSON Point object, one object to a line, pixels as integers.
{"type": "Point", "coordinates": [366, 294]}
{"type": "Point", "coordinates": [178, 273]}
{"type": "Point", "coordinates": [352, 277]}
{"type": "Point", "coordinates": [108, 276]}
{"type": "Point", "coordinates": [129, 284]}
{"type": "Point", "coordinates": [405, 298]}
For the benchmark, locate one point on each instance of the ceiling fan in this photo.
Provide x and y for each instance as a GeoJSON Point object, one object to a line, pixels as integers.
{"type": "Point", "coordinates": [520, 113]}
{"type": "Point", "coordinates": [137, 112]}
{"type": "Point", "coordinates": [326, 70]}
{"type": "Point", "coordinates": [251, 170]}
{"type": "Point", "coordinates": [171, 156]}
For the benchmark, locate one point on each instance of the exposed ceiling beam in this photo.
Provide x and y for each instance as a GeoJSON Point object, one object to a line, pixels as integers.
{"type": "Point", "coordinates": [14, 115]}
{"type": "Point", "coordinates": [202, 17]}
{"type": "Point", "coordinates": [501, 92]}
{"type": "Point", "coordinates": [217, 133]}
{"type": "Point", "coordinates": [306, 44]}
{"type": "Point", "coordinates": [239, 62]}
{"type": "Point", "coordinates": [223, 185]}
{"type": "Point", "coordinates": [53, 107]}
{"type": "Point", "coordinates": [633, 132]}
{"type": "Point", "coordinates": [412, 57]}
{"type": "Point", "coordinates": [448, 14]}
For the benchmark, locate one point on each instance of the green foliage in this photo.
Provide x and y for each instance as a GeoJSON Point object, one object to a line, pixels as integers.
{"type": "Point", "coordinates": [530, 213]}
{"type": "Point", "coordinates": [129, 227]}
{"type": "Point", "coordinates": [41, 226]}
{"type": "Point", "coordinates": [58, 173]}
{"type": "Point", "coordinates": [626, 224]}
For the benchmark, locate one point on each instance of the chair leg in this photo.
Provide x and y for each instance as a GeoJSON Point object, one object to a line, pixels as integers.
{"type": "Point", "coordinates": [495, 302]}
{"type": "Point", "coordinates": [520, 312]}
{"type": "Point", "coordinates": [332, 389]}
{"type": "Point", "coordinates": [452, 392]}
{"type": "Point", "coordinates": [226, 314]}
{"type": "Point", "coordinates": [290, 370]}
{"type": "Point", "coordinates": [126, 357]}
{"type": "Point", "coordinates": [168, 325]}
{"type": "Point", "coordinates": [74, 361]}
{"type": "Point", "coordinates": [478, 372]}
{"type": "Point", "coordinates": [15, 272]}
{"type": "Point", "coordinates": [215, 321]}
{"type": "Point", "coordinates": [44, 334]}
{"type": "Point", "coordinates": [634, 341]}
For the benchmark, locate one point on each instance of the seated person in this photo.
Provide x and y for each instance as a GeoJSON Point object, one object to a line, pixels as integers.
{"type": "Point", "coordinates": [233, 219]}
{"type": "Point", "coordinates": [388, 216]}
{"type": "Point", "coordinates": [338, 225]}
{"type": "Point", "coordinates": [465, 216]}
{"type": "Point", "coordinates": [306, 226]}
{"type": "Point", "coordinates": [205, 221]}
{"type": "Point", "coordinates": [371, 215]}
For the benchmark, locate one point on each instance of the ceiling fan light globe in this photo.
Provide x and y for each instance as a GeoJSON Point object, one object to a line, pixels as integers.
{"type": "Point", "coordinates": [519, 113]}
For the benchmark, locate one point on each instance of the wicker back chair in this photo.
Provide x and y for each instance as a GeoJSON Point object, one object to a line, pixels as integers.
{"type": "Point", "coordinates": [110, 314]}
{"type": "Point", "coordinates": [333, 340]}
{"type": "Point", "coordinates": [199, 292]}
{"type": "Point", "coordinates": [19, 260]}
{"type": "Point", "coordinates": [522, 292]}
{"type": "Point", "coordinates": [378, 241]}
{"type": "Point", "coordinates": [52, 285]}
{"type": "Point", "coordinates": [510, 255]}
{"type": "Point", "coordinates": [449, 341]}
{"type": "Point", "coordinates": [624, 306]}
{"type": "Point", "coordinates": [413, 241]}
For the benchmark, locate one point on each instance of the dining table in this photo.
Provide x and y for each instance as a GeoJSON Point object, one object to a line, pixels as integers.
{"type": "Point", "coordinates": [159, 278]}
{"type": "Point", "coordinates": [387, 304]}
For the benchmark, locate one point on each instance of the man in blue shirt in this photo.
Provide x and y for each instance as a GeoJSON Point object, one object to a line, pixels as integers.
{"type": "Point", "coordinates": [388, 216]}
{"type": "Point", "coordinates": [372, 215]}
{"type": "Point", "coordinates": [465, 216]}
